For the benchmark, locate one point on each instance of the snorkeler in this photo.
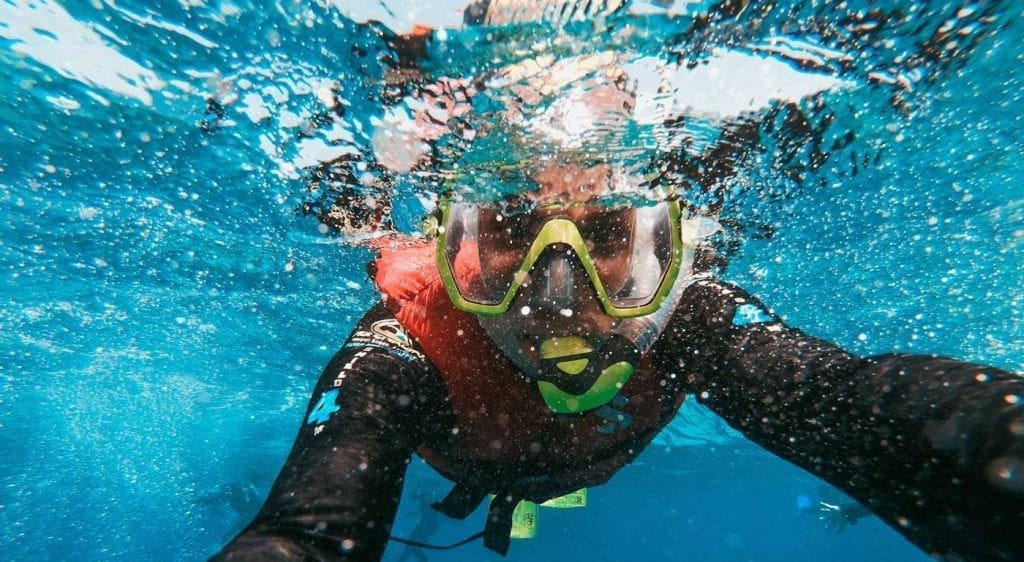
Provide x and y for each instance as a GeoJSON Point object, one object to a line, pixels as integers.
{"type": "Point", "coordinates": [539, 343]}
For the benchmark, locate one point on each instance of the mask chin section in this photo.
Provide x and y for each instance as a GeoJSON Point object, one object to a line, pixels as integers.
{"type": "Point", "coordinates": [576, 379]}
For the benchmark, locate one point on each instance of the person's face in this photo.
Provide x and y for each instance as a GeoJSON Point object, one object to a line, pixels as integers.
{"type": "Point", "coordinates": [505, 238]}
{"type": "Point", "coordinates": [557, 298]}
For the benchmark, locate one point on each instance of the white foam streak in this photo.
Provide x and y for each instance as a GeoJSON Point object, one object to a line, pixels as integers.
{"type": "Point", "coordinates": [153, 22]}
{"type": "Point", "coordinates": [401, 17]}
{"type": "Point", "coordinates": [44, 31]}
{"type": "Point", "coordinates": [728, 84]}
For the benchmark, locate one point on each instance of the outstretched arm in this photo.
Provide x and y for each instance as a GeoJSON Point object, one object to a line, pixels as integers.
{"type": "Point", "coordinates": [336, 497]}
{"type": "Point", "coordinates": [933, 446]}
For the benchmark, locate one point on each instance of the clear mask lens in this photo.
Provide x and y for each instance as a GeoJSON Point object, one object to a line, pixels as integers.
{"type": "Point", "coordinates": [628, 253]}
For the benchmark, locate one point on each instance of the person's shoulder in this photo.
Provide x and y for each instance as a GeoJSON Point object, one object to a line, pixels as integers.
{"type": "Point", "coordinates": [380, 332]}
{"type": "Point", "coordinates": [404, 268]}
{"type": "Point", "coordinates": [711, 300]}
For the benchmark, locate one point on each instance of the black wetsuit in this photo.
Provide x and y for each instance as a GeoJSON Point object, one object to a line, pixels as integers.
{"type": "Point", "coordinates": [935, 447]}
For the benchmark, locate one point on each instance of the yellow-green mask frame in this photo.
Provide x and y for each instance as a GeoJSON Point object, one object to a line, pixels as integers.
{"type": "Point", "coordinates": [559, 230]}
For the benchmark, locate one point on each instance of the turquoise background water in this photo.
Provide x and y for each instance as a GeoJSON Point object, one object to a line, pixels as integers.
{"type": "Point", "coordinates": [164, 310]}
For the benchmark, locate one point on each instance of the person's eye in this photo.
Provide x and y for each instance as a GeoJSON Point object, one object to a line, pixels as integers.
{"type": "Point", "coordinates": [516, 227]}
{"type": "Point", "coordinates": [602, 236]}
{"type": "Point", "coordinates": [611, 232]}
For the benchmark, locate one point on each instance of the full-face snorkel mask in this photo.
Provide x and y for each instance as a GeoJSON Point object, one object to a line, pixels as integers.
{"type": "Point", "coordinates": [632, 257]}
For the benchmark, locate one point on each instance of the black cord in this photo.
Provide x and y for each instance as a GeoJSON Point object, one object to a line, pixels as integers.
{"type": "Point", "coordinates": [434, 546]}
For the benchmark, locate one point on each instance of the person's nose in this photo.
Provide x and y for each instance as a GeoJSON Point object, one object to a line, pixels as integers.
{"type": "Point", "coordinates": [558, 281]}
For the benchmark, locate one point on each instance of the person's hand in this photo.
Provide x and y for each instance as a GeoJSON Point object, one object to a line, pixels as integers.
{"type": "Point", "coordinates": [836, 518]}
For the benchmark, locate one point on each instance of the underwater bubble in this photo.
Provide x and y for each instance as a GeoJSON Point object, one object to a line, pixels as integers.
{"type": "Point", "coordinates": [1017, 427]}
{"type": "Point", "coordinates": [1007, 473]}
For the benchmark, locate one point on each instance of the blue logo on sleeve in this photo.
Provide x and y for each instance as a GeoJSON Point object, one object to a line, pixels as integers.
{"type": "Point", "coordinates": [325, 408]}
{"type": "Point", "coordinates": [750, 314]}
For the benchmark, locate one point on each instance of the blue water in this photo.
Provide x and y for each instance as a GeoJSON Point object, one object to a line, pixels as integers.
{"type": "Point", "coordinates": [165, 309]}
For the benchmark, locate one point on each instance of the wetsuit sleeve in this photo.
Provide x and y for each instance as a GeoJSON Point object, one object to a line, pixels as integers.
{"type": "Point", "coordinates": [933, 446]}
{"type": "Point", "coordinates": [336, 497]}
